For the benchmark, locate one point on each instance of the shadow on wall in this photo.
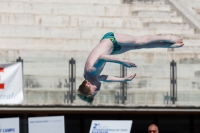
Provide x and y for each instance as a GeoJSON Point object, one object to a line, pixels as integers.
{"type": "Point", "coordinates": [190, 61]}
{"type": "Point", "coordinates": [130, 1]}
{"type": "Point", "coordinates": [32, 82]}
{"type": "Point", "coordinates": [127, 1]}
{"type": "Point", "coordinates": [61, 84]}
{"type": "Point", "coordinates": [196, 85]}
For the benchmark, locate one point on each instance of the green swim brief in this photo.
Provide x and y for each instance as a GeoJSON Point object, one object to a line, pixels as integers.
{"type": "Point", "coordinates": [110, 35]}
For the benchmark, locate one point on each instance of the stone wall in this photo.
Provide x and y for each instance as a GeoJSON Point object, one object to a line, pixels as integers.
{"type": "Point", "coordinates": [47, 34]}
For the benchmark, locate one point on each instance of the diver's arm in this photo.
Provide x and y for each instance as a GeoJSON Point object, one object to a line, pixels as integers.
{"type": "Point", "coordinates": [107, 78]}
{"type": "Point", "coordinates": [111, 58]}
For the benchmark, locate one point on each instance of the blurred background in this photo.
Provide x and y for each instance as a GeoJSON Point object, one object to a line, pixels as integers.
{"type": "Point", "coordinates": [52, 38]}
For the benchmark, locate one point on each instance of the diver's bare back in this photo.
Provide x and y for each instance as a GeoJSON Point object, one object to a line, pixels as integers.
{"type": "Point", "coordinates": [93, 66]}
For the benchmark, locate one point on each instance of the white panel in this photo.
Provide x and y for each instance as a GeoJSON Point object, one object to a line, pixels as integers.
{"type": "Point", "coordinates": [110, 126]}
{"type": "Point", "coordinates": [53, 124]}
{"type": "Point", "coordinates": [9, 125]}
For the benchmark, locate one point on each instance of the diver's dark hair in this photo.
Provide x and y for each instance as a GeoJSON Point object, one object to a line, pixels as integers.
{"type": "Point", "coordinates": [84, 93]}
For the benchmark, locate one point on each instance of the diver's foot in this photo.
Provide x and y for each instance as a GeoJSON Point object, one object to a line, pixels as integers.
{"type": "Point", "coordinates": [174, 39]}
{"type": "Point", "coordinates": [176, 45]}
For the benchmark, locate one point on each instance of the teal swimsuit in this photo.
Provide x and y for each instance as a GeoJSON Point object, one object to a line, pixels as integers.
{"type": "Point", "coordinates": [110, 35]}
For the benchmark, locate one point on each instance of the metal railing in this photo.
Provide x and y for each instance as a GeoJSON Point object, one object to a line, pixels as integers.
{"type": "Point", "coordinates": [123, 95]}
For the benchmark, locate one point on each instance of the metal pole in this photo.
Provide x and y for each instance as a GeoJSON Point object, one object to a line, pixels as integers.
{"type": "Point", "coordinates": [125, 84]}
{"type": "Point", "coordinates": [121, 84]}
{"type": "Point", "coordinates": [22, 61]}
{"type": "Point", "coordinates": [173, 81]}
{"type": "Point", "coordinates": [74, 79]}
{"type": "Point", "coordinates": [123, 101]}
{"type": "Point", "coordinates": [123, 88]}
{"type": "Point", "coordinates": [71, 96]}
{"type": "Point", "coordinates": [72, 75]}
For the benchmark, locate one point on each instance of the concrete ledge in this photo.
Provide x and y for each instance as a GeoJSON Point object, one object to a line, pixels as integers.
{"type": "Point", "coordinates": [161, 14]}
{"type": "Point", "coordinates": [144, 56]}
{"type": "Point", "coordinates": [144, 96]}
{"type": "Point", "coordinates": [72, 45]}
{"type": "Point", "coordinates": [114, 2]}
{"type": "Point", "coordinates": [167, 25]}
{"type": "Point", "coordinates": [71, 9]}
{"type": "Point", "coordinates": [146, 2]}
{"type": "Point", "coordinates": [83, 21]}
{"type": "Point", "coordinates": [100, 108]}
{"type": "Point", "coordinates": [81, 32]}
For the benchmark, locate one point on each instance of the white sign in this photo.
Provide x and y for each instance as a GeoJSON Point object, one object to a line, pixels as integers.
{"type": "Point", "coordinates": [11, 91]}
{"type": "Point", "coordinates": [110, 126]}
{"type": "Point", "coordinates": [9, 125]}
{"type": "Point", "coordinates": [54, 124]}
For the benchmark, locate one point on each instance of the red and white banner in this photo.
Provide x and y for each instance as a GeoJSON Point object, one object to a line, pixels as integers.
{"type": "Point", "coordinates": [11, 85]}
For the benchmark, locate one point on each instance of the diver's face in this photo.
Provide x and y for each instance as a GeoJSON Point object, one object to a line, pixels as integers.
{"type": "Point", "coordinates": [93, 88]}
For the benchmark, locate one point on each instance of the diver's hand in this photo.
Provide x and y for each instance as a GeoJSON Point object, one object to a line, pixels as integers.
{"type": "Point", "coordinates": [127, 63]}
{"type": "Point", "coordinates": [129, 78]}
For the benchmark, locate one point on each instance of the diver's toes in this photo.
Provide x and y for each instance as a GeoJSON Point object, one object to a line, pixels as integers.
{"type": "Point", "coordinates": [177, 45]}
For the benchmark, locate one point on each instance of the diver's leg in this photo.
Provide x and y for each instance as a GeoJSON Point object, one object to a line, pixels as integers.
{"type": "Point", "coordinates": [149, 41]}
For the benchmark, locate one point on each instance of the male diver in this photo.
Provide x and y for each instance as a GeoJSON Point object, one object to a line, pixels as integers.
{"type": "Point", "coordinates": [111, 44]}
